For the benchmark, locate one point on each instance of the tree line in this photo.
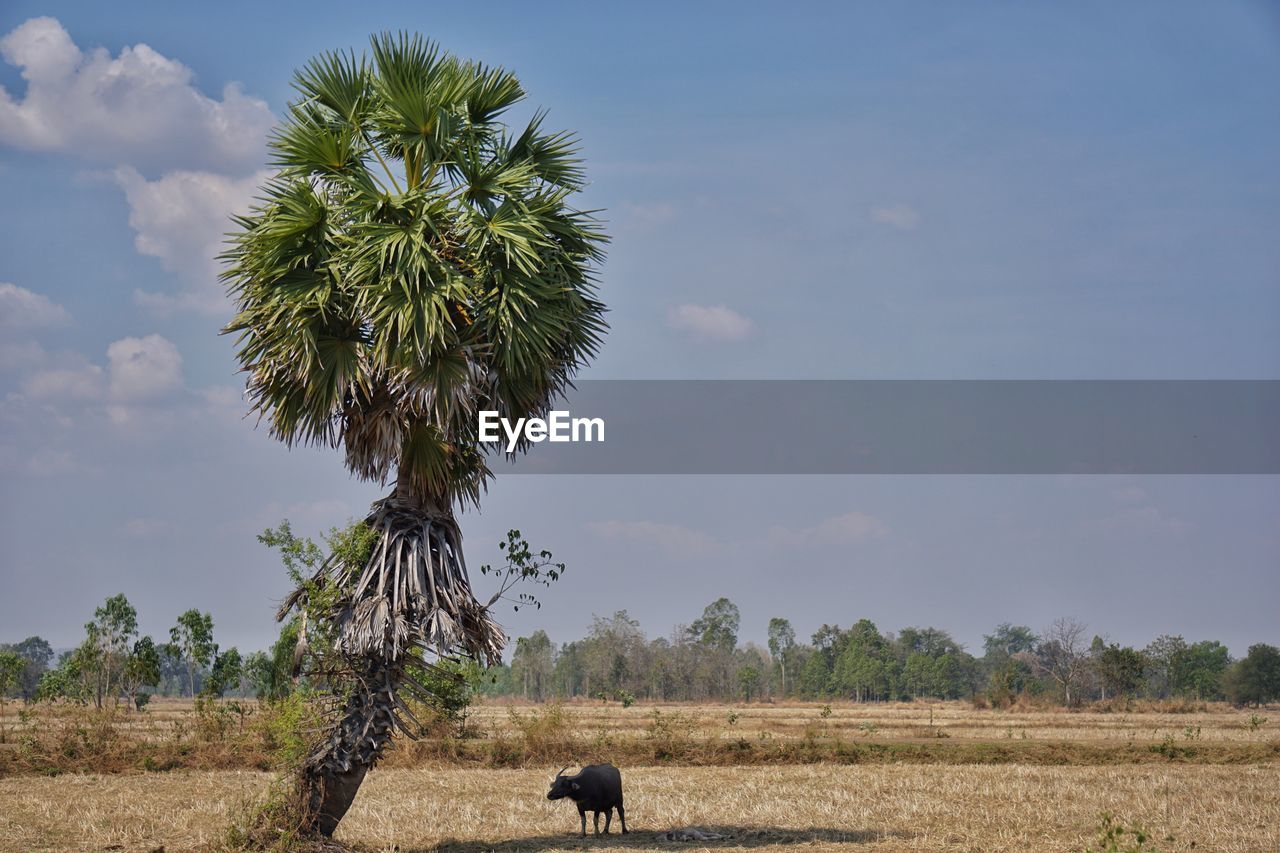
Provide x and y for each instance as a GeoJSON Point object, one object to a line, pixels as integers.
{"type": "Point", "coordinates": [704, 661]}
{"type": "Point", "coordinates": [114, 663]}
{"type": "Point", "coordinates": [701, 661]}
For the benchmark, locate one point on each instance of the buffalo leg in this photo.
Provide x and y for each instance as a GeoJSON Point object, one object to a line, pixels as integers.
{"type": "Point", "coordinates": [596, 822]}
{"type": "Point", "coordinates": [622, 816]}
{"type": "Point", "coordinates": [582, 813]}
{"type": "Point", "coordinates": [608, 819]}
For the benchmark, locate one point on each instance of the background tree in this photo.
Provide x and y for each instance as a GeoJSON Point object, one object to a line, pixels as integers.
{"type": "Point", "coordinates": [1008, 640]}
{"type": "Point", "coordinates": [748, 681]}
{"type": "Point", "coordinates": [110, 635]}
{"type": "Point", "coordinates": [11, 666]}
{"type": "Point", "coordinates": [73, 678]}
{"type": "Point", "coordinates": [1008, 662]}
{"type": "Point", "coordinates": [570, 671]}
{"type": "Point", "coordinates": [717, 627]}
{"type": "Point", "coordinates": [191, 641]}
{"type": "Point", "coordinates": [533, 664]}
{"type": "Point", "coordinates": [782, 642]}
{"type": "Point", "coordinates": [864, 665]}
{"type": "Point", "coordinates": [258, 672]}
{"type": "Point", "coordinates": [1200, 670]}
{"type": "Point", "coordinates": [1255, 678]}
{"type": "Point", "coordinates": [412, 263]}
{"type": "Point", "coordinates": [817, 673]}
{"type": "Point", "coordinates": [1120, 670]}
{"type": "Point", "coordinates": [715, 633]}
{"type": "Point", "coordinates": [1165, 656]}
{"type": "Point", "coordinates": [607, 649]}
{"type": "Point", "coordinates": [228, 668]}
{"type": "Point", "coordinates": [1063, 657]}
{"type": "Point", "coordinates": [1014, 677]}
{"type": "Point", "coordinates": [660, 674]}
{"type": "Point", "coordinates": [36, 654]}
{"type": "Point", "coordinates": [271, 673]}
{"type": "Point", "coordinates": [141, 668]}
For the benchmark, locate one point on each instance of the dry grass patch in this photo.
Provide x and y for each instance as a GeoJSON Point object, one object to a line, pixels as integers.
{"type": "Point", "coordinates": [172, 736]}
{"type": "Point", "coordinates": [182, 811]}
{"type": "Point", "coordinates": [822, 808]}
{"type": "Point", "coordinates": [1146, 721]}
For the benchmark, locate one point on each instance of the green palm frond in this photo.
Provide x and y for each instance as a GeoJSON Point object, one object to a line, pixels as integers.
{"type": "Point", "coordinates": [338, 81]}
{"type": "Point", "coordinates": [553, 156]}
{"type": "Point", "coordinates": [412, 262]}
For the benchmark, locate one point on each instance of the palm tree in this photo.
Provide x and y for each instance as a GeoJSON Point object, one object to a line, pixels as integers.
{"type": "Point", "coordinates": [412, 262]}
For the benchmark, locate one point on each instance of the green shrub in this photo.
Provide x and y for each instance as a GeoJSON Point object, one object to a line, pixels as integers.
{"type": "Point", "coordinates": [286, 726]}
{"type": "Point", "coordinates": [670, 735]}
{"type": "Point", "coordinates": [1115, 837]}
{"type": "Point", "coordinates": [544, 734]}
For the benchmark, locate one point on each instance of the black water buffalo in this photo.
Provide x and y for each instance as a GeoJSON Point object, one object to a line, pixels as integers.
{"type": "Point", "coordinates": [595, 788]}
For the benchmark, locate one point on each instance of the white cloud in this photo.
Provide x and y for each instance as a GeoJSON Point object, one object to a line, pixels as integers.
{"type": "Point", "coordinates": [900, 216]}
{"type": "Point", "coordinates": [225, 404]}
{"type": "Point", "coordinates": [143, 367]}
{"type": "Point", "coordinates": [140, 113]}
{"type": "Point", "coordinates": [137, 108]}
{"type": "Point", "coordinates": [847, 529]}
{"type": "Point", "coordinates": [122, 416]}
{"type": "Point", "coordinates": [223, 397]}
{"type": "Point", "coordinates": [709, 322]}
{"type": "Point", "coordinates": [20, 356]}
{"type": "Point", "coordinates": [136, 369]}
{"type": "Point", "coordinates": [25, 309]}
{"type": "Point", "coordinates": [181, 218]}
{"type": "Point", "coordinates": [77, 382]}
{"type": "Point", "coordinates": [672, 539]}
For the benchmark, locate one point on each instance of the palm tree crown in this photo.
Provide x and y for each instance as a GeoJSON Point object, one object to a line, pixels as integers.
{"type": "Point", "coordinates": [412, 262]}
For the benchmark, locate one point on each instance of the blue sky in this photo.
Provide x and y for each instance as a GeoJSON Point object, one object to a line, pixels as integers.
{"type": "Point", "coordinates": [845, 191]}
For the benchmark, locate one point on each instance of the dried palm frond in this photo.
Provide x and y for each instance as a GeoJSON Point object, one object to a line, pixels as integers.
{"type": "Point", "coordinates": [412, 596]}
{"type": "Point", "coordinates": [414, 591]}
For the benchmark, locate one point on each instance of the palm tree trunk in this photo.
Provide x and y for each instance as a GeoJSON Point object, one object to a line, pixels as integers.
{"type": "Point", "coordinates": [328, 796]}
{"type": "Point", "coordinates": [332, 776]}
{"type": "Point", "coordinates": [413, 595]}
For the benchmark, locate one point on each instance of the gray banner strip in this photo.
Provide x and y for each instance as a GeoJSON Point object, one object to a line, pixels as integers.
{"type": "Point", "coordinates": [918, 427]}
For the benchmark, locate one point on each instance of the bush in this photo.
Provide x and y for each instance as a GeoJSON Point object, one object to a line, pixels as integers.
{"type": "Point", "coordinates": [272, 822]}
{"type": "Point", "coordinates": [452, 684]}
{"type": "Point", "coordinates": [285, 727]}
{"type": "Point", "coordinates": [1115, 837]}
{"type": "Point", "coordinates": [670, 735]}
{"type": "Point", "coordinates": [545, 734]}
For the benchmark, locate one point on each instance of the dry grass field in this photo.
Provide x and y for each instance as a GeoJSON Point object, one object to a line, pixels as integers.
{"type": "Point", "coordinates": [811, 808]}
{"type": "Point", "coordinates": [881, 777]}
{"type": "Point", "coordinates": [1144, 721]}
{"type": "Point", "coordinates": [1209, 722]}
